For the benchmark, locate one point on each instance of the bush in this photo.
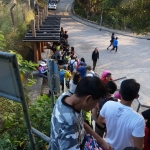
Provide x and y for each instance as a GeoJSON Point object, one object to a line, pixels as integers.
{"type": "Point", "coordinates": [15, 34]}
{"type": "Point", "coordinates": [79, 9]}
{"type": "Point", "coordinates": [13, 130]}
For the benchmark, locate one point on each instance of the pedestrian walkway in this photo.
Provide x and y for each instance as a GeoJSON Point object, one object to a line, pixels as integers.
{"type": "Point", "coordinates": [132, 59]}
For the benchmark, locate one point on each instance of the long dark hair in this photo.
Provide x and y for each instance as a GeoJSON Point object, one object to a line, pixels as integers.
{"type": "Point", "coordinates": [82, 59]}
{"type": "Point", "coordinates": [76, 78]}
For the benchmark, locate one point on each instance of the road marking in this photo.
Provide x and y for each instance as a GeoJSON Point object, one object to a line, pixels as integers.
{"type": "Point", "coordinates": [68, 6]}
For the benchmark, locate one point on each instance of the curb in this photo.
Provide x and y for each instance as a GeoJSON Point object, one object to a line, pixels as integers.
{"type": "Point", "coordinates": [92, 24]}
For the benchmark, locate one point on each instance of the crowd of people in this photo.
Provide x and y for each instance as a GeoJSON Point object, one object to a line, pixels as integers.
{"type": "Point", "coordinates": [90, 96]}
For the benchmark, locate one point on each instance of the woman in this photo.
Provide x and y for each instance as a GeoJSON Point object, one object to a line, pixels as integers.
{"type": "Point", "coordinates": [82, 61]}
{"type": "Point", "coordinates": [61, 32]}
{"type": "Point", "coordinates": [73, 82]}
{"type": "Point", "coordinates": [106, 76]}
{"type": "Point", "coordinates": [42, 69]}
{"type": "Point", "coordinates": [95, 56]}
{"type": "Point", "coordinates": [73, 52]}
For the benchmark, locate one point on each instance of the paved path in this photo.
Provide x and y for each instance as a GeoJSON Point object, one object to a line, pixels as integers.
{"type": "Point", "coordinates": [132, 59]}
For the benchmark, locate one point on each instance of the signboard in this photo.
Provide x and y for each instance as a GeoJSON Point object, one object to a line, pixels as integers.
{"type": "Point", "coordinates": [56, 83]}
{"type": "Point", "coordinates": [10, 81]}
{"type": "Point", "coordinates": [53, 76]}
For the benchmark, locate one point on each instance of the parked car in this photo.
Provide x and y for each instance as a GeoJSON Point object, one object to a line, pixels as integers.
{"type": "Point", "coordinates": [54, 1]}
{"type": "Point", "coordinates": [52, 5]}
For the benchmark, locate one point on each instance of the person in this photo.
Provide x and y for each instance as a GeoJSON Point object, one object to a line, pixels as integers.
{"type": "Point", "coordinates": [82, 69]}
{"type": "Point", "coordinates": [125, 127]}
{"type": "Point", "coordinates": [67, 126]}
{"type": "Point", "coordinates": [106, 76]}
{"type": "Point", "coordinates": [95, 56]}
{"type": "Point", "coordinates": [67, 58]}
{"type": "Point", "coordinates": [67, 76]}
{"type": "Point", "coordinates": [146, 115]}
{"type": "Point", "coordinates": [82, 60]}
{"type": "Point", "coordinates": [61, 32]}
{"type": "Point", "coordinates": [72, 64]}
{"type": "Point", "coordinates": [115, 44]}
{"type": "Point", "coordinates": [111, 41]}
{"type": "Point", "coordinates": [64, 74]}
{"type": "Point", "coordinates": [89, 71]}
{"type": "Point", "coordinates": [73, 82]}
{"type": "Point", "coordinates": [42, 69]}
{"type": "Point", "coordinates": [65, 36]}
{"type": "Point", "coordinates": [58, 46]}
{"type": "Point", "coordinates": [73, 52]}
{"type": "Point", "coordinates": [100, 129]}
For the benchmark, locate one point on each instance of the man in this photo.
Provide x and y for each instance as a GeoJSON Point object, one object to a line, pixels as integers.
{"type": "Point", "coordinates": [112, 40]}
{"type": "Point", "coordinates": [67, 126]}
{"type": "Point", "coordinates": [89, 71]}
{"type": "Point", "coordinates": [125, 127]}
{"type": "Point", "coordinates": [82, 70]}
{"type": "Point", "coordinates": [95, 57]}
{"type": "Point", "coordinates": [72, 64]}
{"type": "Point", "coordinates": [65, 36]}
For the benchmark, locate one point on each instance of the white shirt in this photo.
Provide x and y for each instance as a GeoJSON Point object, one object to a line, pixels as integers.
{"type": "Point", "coordinates": [90, 74]}
{"type": "Point", "coordinates": [122, 123]}
{"type": "Point", "coordinates": [72, 86]}
{"type": "Point", "coordinates": [74, 64]}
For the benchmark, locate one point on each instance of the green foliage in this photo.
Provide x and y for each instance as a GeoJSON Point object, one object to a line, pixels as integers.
{"type": "Point", "coordinates": [2, 42]}
{"type": "Point", "coordinates": [14, 34]}
{"type": "Point", "coordinates": [79, 9]}
{"type": "Point", "coordinates": [13, 129]}
{"type": "Point", "coordinates": [24, 65]}
{"type": "Point", "coordinates": [119, 14]}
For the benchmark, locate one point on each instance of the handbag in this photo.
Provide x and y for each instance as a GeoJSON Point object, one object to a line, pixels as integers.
{"type": "Point", "coordinates": [90, 143]}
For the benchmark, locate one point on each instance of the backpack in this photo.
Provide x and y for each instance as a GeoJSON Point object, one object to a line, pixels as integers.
{"type": "Point", "coordinates": [94, 74]}
{"type": "Point", "coordinates": [101, 103]}
{"type": "Point", "coordinates": [104, 100]}
{"type": "Point", "coordinates": [61, 75]}
{"type": "Point", "coordinates": [71, 68]}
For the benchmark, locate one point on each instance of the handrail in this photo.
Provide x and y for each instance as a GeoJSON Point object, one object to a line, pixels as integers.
{"type": "Point", "coordinates": [141, 105]}
{"type": "Point", "coordinates": [120, 78]}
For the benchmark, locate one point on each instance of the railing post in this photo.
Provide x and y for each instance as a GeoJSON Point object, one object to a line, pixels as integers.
{"type": "Point", "coordinates": [12, 15]}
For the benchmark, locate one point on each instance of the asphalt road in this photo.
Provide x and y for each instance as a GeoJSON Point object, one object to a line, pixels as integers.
{"type": "Point", "coordinates": [132, 59]}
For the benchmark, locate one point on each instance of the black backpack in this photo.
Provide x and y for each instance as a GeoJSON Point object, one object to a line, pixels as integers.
{"type": "Point", "coordinates": [94, 74]}
{"type": "Point", "coordinates": [71, 66]}
{"type": "Point", "coordinates": [101, 104]}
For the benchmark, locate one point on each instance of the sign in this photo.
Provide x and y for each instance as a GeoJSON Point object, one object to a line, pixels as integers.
{"type": "Point", "coordinates": [10, 82]}
{"type": "Point", "coordinates": [53, 76]}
